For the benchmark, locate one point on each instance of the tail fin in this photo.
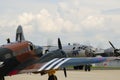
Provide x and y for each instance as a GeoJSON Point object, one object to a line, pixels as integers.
{"type": "Point", "coordinates": [19, 34]}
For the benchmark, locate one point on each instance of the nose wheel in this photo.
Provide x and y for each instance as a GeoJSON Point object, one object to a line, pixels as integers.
{"type": "Point", "coordinates": [2, 78]}
{"type": "Point", "coordinates": [51, 75]}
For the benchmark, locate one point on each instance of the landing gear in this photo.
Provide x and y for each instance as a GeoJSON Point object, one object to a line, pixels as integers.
{"type": "Point", "coordinates": [2, 78]}
{"type": "Point", "coordinates": [80, 67]}
{"type": "Point", "coordinates": [87, 67]}
{"type": "Point", "coordinates": [51, 75]}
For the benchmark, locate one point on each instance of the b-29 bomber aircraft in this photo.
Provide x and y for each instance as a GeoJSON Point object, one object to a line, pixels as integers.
{"type": "Point", "coordinates": [79, 50]}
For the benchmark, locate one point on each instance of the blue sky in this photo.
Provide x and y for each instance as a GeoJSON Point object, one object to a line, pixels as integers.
{"type": "Point", "coordinates": [79, 21]}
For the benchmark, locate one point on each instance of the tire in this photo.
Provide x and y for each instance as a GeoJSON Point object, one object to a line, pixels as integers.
{"type": "Point", "coordinates": [80, 67]}
{"type": "Point", "coordinates": [52, 77]}
{"type": "Point", "coordinates": [2, 78]}
{"type": "Point", "coordinates": [75, 68]}
{"type": "Point", "coordinates": [89, 67]}
{"type": "Point", "coordinates": [86, 67]}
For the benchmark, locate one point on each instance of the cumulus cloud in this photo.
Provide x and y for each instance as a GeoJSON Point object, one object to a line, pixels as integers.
{"type": "Point", "coordinates": [93, 22]}
{"type": "Point", "coordinates": [76, 20]}
{"type": "Point", "coordinates": [25, 18]}
{"type": "Point", "coordinates": [44, 21]}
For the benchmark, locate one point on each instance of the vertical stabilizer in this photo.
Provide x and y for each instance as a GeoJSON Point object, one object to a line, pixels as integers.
{"type": "Point", "coordinates": [19, 34]}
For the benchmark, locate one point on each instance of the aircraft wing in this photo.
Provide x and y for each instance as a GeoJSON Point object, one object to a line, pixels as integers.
{"type": "Point", "coordinates": [57, 63]}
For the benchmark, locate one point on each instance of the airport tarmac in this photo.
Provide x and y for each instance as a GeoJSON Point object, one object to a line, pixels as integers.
{"type": "Point", "coordinates": [72, 75]}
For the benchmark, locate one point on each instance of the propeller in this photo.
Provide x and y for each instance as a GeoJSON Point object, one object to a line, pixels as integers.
{"type": "Point", "coordinates": [65, 73]}
{"type": "Point", "coordinates": [1, 64]}
{"type": "Point", "coordinates": [112, 45]}
{"type": "Point", "coordinates": [60, 47]}
{"type": "Point", "coordinates": [19, 34]}
{"type": "Point", "coordinates": [59, 44]}
{"type": "Point", "coordinates": [116, 51]}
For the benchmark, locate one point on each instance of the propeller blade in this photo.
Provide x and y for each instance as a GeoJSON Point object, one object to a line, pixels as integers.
{"type": "Point", "coordinates": [19, 34]}
{"type": "Point", "coordinates": [1, 64]}
{"type": "Point", "coordinates": [59, 44]}
{"type": "Point", "coordinates": [65, 73]}
{"type": "Point", "coordinates": [116, 51]}
{"type": "Point", "coordinates": [112, 45]}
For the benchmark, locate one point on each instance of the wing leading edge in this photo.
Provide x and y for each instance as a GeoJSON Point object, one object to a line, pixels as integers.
{"type": "Point", "coordinates": [64, 62]}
